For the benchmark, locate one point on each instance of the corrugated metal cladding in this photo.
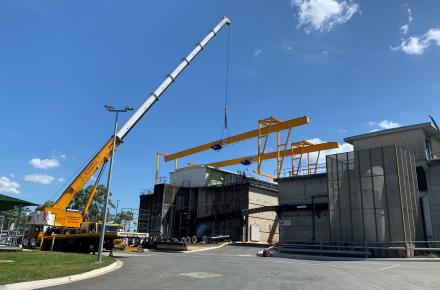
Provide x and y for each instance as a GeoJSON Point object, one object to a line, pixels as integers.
{"type": "Point", "coordinates": [373, 195]}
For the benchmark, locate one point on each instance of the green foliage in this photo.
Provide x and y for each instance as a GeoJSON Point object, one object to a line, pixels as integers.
{"type": "Point", "coordinates": [124, 217]}
{"type": "Point", "coordinates": [48, 203]}
{"type": "Point", "coordinates": [94, 213]}
{"type": "Point", "coordinates": [21, 221]}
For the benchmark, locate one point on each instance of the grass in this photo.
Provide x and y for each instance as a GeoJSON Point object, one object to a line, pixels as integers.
{"type": "Point", "coordinates": [29, 266]}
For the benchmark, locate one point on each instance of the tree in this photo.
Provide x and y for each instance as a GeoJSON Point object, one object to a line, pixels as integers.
{"type": "Point", "coordinates": [94, 213]}
{"type": "Point", "coordinates": [18, 216]}
{"type": "Point", "coordinates": [48, 203]}
{"type": "Point", "coordinates": [124, 217]}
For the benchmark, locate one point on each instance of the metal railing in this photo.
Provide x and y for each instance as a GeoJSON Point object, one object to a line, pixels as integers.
{"type": "Point", "coordinates": [304, 170]}
{"type": "Point", "coordinates": [362, 249]}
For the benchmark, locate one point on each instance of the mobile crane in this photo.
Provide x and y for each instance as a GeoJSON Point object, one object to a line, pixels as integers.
{"type": "Point", "coordinates": [64, 229]}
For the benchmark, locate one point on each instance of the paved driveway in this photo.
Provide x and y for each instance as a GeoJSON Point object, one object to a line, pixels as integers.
{"type": "Point", "coordinates": [234, 267]}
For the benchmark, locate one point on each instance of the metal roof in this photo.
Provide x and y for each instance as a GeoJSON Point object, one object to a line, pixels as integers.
{"type": "Point", "coordinates": [429, 129]}
{"type": "Point", "coordinates": [7, 202]}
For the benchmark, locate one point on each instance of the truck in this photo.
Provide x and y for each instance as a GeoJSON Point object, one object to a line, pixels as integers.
{"type": "Point", "coordinates": [59, 228]}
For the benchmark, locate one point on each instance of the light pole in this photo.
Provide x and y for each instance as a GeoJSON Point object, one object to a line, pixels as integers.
{"type": "Point", "coordinates": [117, 206]}
{"type": "Point", "coordinates": [104, 220]}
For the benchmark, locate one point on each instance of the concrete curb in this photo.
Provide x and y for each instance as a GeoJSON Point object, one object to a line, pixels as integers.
{"type": "Point", "coordinates": [205, 249]}
{"type": "Point", "coordinates": [63, 280]}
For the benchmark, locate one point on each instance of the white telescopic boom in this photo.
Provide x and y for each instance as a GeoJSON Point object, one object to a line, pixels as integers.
{"type": "Point", "coordinates": [154, 97]}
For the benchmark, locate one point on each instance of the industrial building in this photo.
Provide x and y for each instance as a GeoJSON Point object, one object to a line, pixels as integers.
{"type": "Point", "coordinates": [205, 201]}
{"type": "Point", "coordinates": [385, 192]}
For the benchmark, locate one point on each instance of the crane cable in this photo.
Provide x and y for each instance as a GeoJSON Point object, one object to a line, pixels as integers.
{"type": "Point", "coordinates": [225, 121]}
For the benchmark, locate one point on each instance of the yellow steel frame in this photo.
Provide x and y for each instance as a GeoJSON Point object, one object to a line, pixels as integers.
{"type": "Point", "coordinates": [265, 128]}
{"type": "Point", "coordinates": [269, 128]}
{"type": "Point", "coordinates": [270, 121]}
{"type": "Point", "coordinates": [158, 155]}
{"type": "Point", "coordinates": [302, 144]}
{"type": "Point", "coordinates": [273, 155]}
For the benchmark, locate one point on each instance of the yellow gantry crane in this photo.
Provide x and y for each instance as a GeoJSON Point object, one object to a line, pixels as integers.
{"type": "Point", "coordinates": [266, 126]}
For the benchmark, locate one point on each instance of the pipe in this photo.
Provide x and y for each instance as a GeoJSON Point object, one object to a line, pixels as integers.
{"type": "Point", "coordinates": [313, 213]}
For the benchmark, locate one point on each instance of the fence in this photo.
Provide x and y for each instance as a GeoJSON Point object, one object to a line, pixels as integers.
{"type": "Point", "coordinates": [363, 249]}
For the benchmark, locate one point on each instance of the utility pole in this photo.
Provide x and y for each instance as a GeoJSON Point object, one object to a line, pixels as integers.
{"type": "Point", "coordinates": [104, 220]}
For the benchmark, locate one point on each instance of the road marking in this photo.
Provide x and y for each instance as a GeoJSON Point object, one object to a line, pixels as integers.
{"type": "Point", "coordinates": [386, 268]}
{"type": "Point", "coordinates": [200, 275]}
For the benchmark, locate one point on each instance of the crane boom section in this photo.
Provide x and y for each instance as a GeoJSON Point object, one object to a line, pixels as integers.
{"type": "Point", "coordinates": [240, 137]}
{"type": "Point", "coordinates": [78, 183]}
{"type": "Point", "coordinates": [74, 219]}
{"type": "Point", "coordinates": [154, 97]}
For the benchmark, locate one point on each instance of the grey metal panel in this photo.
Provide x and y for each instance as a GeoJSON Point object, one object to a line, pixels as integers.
{"type": "Point", "coordinates": [374, 196]}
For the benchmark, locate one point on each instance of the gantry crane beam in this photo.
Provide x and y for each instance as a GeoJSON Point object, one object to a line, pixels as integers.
{"type": "Point", "coordinates": [240, 137]}
{"type": "Point", "coordinates": [272, 155]}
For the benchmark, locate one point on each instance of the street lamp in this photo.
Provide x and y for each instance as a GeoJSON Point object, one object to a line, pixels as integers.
{"type": "Point", "coordinates": [102, 233]}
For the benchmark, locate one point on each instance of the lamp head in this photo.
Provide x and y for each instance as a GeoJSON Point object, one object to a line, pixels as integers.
{"type": "Point", "coordinates": [109, 108]}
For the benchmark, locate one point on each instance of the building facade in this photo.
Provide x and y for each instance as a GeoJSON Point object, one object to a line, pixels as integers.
{"type": "Point", "coordinates": [205, 201]}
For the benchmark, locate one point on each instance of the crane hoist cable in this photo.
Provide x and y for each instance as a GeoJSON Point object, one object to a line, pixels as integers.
{"type": "Point", "coordinates": [225, 121]}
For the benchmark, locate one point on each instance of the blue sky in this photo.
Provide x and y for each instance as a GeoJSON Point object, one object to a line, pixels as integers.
{"type": "Point", "coordinates": [352, 66]}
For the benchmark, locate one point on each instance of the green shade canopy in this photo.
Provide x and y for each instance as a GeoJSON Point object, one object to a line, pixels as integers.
{"type": "Point", "coordinates": [7, 202]}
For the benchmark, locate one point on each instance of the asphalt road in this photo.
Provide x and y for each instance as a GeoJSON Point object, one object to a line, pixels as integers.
{"type": "Point", "coordinates": [234, 267]}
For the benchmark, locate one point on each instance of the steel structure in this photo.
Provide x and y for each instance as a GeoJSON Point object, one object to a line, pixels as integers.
{"type": "Point", "coordinates": [266, 127]}
{"type": "Point", "coordinates": [304, 150]}
{"type": "Point", "coordinates": [218, 144]}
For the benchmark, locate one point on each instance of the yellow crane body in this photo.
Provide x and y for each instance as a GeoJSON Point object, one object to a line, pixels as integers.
{"type": "Point", "coordinates": [74, 219]}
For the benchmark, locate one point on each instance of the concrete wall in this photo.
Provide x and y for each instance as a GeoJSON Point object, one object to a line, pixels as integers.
{"type": "Point", "coordinates": [266, 221]}
{"type": "Point", "coordinates": [435, 148]}
{"type": "Point", "coordinates": [201, 176]}
{"type": "Point", "coordinates": [300, 189]}
{"type": "Point", "coordinates": [297, 225]}
{"type": "Point", "coordinates": [190, 176]}
{"type": "Point", "coordinates": [413, 140]}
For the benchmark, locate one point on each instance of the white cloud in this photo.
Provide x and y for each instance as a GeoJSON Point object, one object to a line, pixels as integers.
{"type": "Point", "coordinates": [12, 175]}
{"type": "Point", "coordinates": [39, 178]}
{"type": "Point", "coordinates": [44, 163]}
{"type": "Point", "coordinates": [7, 185]}
{"type": "Point", "coordinates": [323, 15]}
{"type": "Point", "coordinates": [257, 52]}
{"type": "Point", "coordinates": [383, 125]}
{"type": "Point", "coordinates": [61, 180]}
{"type": "Point", "coordinates": [404, 28]}
{"type": "Point", "coordinates": [417, 44]}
